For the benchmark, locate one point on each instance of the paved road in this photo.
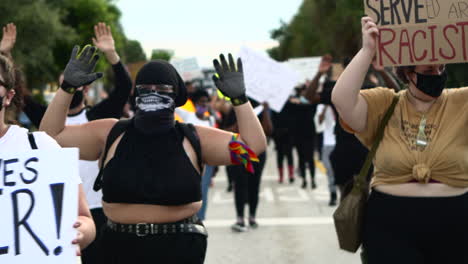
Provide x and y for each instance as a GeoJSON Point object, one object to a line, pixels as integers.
{"type": "Point", "coordinates": [295, 225]}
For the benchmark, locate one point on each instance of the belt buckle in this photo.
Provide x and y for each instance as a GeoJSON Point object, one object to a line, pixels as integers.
{"type": "Point", "coordinates": [146, 230]}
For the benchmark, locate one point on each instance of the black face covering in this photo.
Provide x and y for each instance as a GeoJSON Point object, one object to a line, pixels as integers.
{"type": "Point", "coordinates": [77, 99]}
{"type": "Point", "coordinates": [431, 85]}
{"type": "Point", "coordinates": [155, 111]}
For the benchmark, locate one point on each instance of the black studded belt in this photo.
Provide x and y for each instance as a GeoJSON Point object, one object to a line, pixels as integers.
{"type": "Point", "coordinates": [189, 225]}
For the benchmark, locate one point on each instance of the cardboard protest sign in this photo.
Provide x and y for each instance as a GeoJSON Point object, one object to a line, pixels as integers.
{"type": "Point", "coordinates": [414, 32]}
{"type": "Point", "coordinates": [39, 203]}
{"type": "Point", "coordinates": [188, 68]}
{"type": "Point", "coordinates": [267, 80]}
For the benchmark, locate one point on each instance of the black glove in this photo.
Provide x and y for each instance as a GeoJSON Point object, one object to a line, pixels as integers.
{"type": "Point", "coordinates": [229, 80]}
{"type": "Point", "coordinates": [80, 69]}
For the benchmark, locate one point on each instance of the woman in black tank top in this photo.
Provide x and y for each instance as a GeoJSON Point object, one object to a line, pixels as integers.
{"type": "Point", "coordinates": [151, 174]}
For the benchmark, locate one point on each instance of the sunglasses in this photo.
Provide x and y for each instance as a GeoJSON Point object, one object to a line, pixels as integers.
{"type": "Point", "coordinates": [142, 89]}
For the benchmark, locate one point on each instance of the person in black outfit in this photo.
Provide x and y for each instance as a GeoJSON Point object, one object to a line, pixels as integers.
{"type": "Point", "coordinates": [303, 133]}
{"type": "Point", "coordinates": [283, 141]}
{"type": "Point", "coordinates": [247, 184]}
{"type": "Point", "coordinates": [151, 164]}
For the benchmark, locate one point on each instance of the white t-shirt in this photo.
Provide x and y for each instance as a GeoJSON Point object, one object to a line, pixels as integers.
{"type": "Point", "coordinates": [328, 125]}
{"type": "Point", "coordinates": [16, 138]}
{"type": "Point", "coordinates": [88, 169]}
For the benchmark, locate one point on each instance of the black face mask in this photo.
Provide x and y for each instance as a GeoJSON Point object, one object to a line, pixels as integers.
{"type": "Point", "coordinates": [431, 85]}
{"type": "Point", "coordinates": [154, 113]}
{"type": "Point", "coordinates": [77, 99]}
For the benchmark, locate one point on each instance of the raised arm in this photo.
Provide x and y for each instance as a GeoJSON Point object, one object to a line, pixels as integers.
{"type": "Point", "coordinates": [8, 39]}
{"type": "Point", "coordinates": [112, 107]}
{"type": "Point", "coordinates": [90, 137]}
{"type": "Point", "coordinates": [311, 90]}
{"type": "Point", "coordinates": [215, 142]}
{"type": "Point", "coordinates": [351, 106]}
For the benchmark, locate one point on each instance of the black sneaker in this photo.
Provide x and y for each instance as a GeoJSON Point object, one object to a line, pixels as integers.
{"type": "Point", "coordinates": [304, 184]}
{"type": "Point", "coordinates": [253, 224]}
{"type": "Point", "coordinates": [229, 188]}
{"type": "Point", "coordinates": [313, 185]}
{"type": "Point", "coordinates": [239, 227]}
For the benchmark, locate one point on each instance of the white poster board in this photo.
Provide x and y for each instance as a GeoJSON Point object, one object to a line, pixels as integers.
{"type": "Point", "coordinates": [306, 67]}
{"type": "Point", "coordinates": [39, 203]}
{"type": "Point", "coordinates": [267, 80]}
{"type": "Point", "coordinates": [188, 68]}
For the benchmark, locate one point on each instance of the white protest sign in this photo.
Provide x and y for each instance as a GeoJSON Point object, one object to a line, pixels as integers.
{"type": "Point", "coordinates": [39, 203]}
{"type": "Point", "coordinates": [306, 67]}
{"type": "Point", "coordinates": [188, 68]}
{"type": "Point", "coordinates": [267, 80]}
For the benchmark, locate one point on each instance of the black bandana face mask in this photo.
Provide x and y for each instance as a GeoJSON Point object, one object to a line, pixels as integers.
{"type": "Point", "coordinates": [155, 112]}
{"type": "Point", "coordinates": [431, 85]}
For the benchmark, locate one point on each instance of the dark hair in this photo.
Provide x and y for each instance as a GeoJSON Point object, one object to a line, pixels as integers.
{"type": "Point", "coordinates": [199, 93]}
{"type": "Point", "coordinates": [9, 74]}
{"type": "Point", "coordinates": [401, 72]}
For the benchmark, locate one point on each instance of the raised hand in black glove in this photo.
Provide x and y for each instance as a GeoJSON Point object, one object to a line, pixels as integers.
{"type": "Point", "coordinates": [80, 69]}
{"type": "Point", "coordinates": [230, 81]}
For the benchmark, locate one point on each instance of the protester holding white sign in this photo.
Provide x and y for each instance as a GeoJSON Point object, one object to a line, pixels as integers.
{"type": "Point", "coordinates": [39, 194]}
{"type": "Point", "coordinates": [416, 212]}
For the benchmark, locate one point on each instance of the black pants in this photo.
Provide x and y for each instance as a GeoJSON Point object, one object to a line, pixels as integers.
{"type": "Point", "coordinates": [416, 230]}
{"type": "Point", "coordinates": [305, 148]}
{"type": "Point", "coordinates": [247, 186]}
{"type": "Point", "coordinates": [124, 248]}
{"type": "Point", "coordinates": [90, 254]}
{"type": "Point", "coordinates": [284, 148]}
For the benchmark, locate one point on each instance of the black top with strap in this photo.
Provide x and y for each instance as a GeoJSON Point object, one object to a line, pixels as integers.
{"type": "Point", "coordinates": [150, 169]}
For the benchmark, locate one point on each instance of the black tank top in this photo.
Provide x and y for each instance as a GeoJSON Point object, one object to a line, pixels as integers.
{"type": "Point", "coordinates": [151, 169]}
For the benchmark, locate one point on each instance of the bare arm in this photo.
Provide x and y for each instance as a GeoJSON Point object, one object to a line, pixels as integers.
{"type": "Point", "coordinates": [351, 106]}
{"type": "Point", "coordinates": [214, 142]}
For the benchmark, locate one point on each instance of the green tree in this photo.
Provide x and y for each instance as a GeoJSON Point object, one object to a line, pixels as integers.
{"type": "Point", "coordinates": [134, 52]}
{"type": "Point", "coordinates": [161, 54]}
{"type": "Point", "coordinates": [39, 29]}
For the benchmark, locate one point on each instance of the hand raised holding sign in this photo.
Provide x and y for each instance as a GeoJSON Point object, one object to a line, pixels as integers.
{"type": "Point", "coordinates": [369, 34]}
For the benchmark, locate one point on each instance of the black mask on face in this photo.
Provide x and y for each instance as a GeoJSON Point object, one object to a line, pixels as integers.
{"type": "Point", "coordinates": [154, 113]}
{"type": "Point", "coordinates": [431, 85]}
{"type": "Point", "coordinates": [77, 99]}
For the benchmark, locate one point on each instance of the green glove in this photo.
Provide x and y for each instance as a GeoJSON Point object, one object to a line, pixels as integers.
{"type": "Point", "coordinates": [231, 80]}
{"type": "Point", "coordinates": [80, 69]}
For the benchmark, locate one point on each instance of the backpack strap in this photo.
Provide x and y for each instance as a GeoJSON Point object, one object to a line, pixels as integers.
{"type": "Point", "coordinates": [32, 140]}
{"type": "Point", "coordinates": [115, 132]}
{"type": "Point", "coordinates": [190, 133]}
